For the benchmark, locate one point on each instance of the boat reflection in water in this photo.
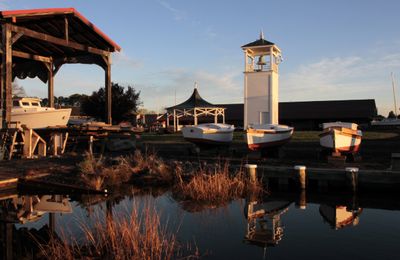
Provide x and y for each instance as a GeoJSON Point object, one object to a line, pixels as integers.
{"type": "Point", "coordinates": [264, 227]}
{"type": "Point", "coordinates": [25, 209]}
{"type": "Point", "coordinates": [340, 216]}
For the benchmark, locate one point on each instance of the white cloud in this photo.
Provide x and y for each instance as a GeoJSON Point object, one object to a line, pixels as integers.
{"type": "Point", "coordinates": [177, 14]}
{"type": "Point", "coordinates": [214, 87]}
{"type": "Point", "coordinates": [343, 78]}
{"type": "Point", "coordinates": [122, 59]}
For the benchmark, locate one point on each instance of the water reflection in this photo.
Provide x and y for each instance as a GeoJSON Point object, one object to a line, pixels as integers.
{"type": "Point", "coordinates": [264, 227]}
{"type": "Point", "coordinates": [20, 242]}
{"type": "Point", "coordinates": [340, 216]}
{"type": "Point", "coordinates": [281, 222]}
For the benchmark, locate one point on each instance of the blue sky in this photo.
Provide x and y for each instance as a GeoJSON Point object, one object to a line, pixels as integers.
{"type": "Point", "coordinates": [332, 49]}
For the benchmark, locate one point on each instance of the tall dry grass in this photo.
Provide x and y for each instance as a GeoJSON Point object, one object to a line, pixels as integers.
{"type": "Point", "coordinates": [140, 235]}
{"type": "Point", "coordinates": [216, 186]}
{"type": "Point", "coordinates": [98, 173]}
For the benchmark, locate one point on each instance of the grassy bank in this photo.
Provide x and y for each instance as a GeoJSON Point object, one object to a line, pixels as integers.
{"type": "Point", "coordinates": [238, 137]}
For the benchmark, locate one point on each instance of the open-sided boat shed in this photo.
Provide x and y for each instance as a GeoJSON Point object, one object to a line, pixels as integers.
{"type": "Point", "coordinates": [37, 42]}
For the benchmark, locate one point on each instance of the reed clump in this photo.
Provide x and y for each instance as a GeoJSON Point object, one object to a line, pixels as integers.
{"type": "Point", "coordinates": [216, 186]}
{"type": "Point", "coordinates": [98, 173]}
{"type": "Point", "coordinates": [138, 235]}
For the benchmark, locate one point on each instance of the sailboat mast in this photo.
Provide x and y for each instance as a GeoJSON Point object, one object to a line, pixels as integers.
{"type": "Point", "coordinates": [394, 95]}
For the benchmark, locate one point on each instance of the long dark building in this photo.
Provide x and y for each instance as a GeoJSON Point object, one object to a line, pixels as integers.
{"type": "Point", "coordinates": [309, 115]}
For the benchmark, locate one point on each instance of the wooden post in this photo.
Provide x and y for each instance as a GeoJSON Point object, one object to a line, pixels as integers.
{"type": "Point", "coordinates": [352, 177]}
{"type": "Point", "coordinates": [50, 86]}
{"type": "Point", "coordinates": [195, 116]}
{"type": "Point", "coordinates": [301, 175]}
{"type": "Point", "coordinates": [167, 122]}
{"type": "Point", "coordinates": [52, 222]}
{"type": "Point", "coordinates": [251, 170]}
{"type": "Point", "coordinates": [223, 116]}
{"type": "Point", "coordinates": [6, 77]}
{"type": "Point", "coordinates": [302, 203]}
{"type": "Point", "coordinates": [175, 130]}
{"type": "Point", "coordinates": [108, 90]}
{"type": "Point", "coordinates": [91, 144]}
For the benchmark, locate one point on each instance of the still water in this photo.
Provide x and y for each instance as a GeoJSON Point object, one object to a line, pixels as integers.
{"type": "Point", "coordinates": [280, 226]}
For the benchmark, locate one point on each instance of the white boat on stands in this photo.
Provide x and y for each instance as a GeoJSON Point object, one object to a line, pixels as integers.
{"type": "Point", "coordinates": [268, 136]}
{"type": "Point", "coordinates": [340, 137]}
{"type": "Point", "coordinates": [214, 134]}
{"type": "Point", "coordinates": [29, 112]}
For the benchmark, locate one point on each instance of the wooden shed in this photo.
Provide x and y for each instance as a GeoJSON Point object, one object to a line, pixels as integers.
{"type": "Point", "coordinates": [37, 42]}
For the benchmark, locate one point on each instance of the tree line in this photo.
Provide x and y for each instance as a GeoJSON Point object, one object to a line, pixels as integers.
{"type": "Point", "coordinates": [125, 102]}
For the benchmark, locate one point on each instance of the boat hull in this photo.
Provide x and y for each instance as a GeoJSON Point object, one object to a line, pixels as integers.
{"type": "Point", "coordinates": [340, 141]}
{"type": "Point", "coordinates": [257, 140]}
{"type": "Point", "coordinates": [41, 119]}
{"type": "Point", "coordinates": [200, 136]}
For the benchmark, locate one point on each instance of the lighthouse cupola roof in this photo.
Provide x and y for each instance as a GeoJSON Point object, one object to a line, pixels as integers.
{"type": "Point", "coordinates": [260, 42]}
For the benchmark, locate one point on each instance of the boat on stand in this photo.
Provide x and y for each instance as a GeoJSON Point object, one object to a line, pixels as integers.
{"type": "Point", "coordinates": [29, 112]}
{"type": "Point", "coordinates": [211, 134]}
{"type": "Point", "coordinates": [341, 137]}
{"type": "Point", "coordinates": [268, 136]}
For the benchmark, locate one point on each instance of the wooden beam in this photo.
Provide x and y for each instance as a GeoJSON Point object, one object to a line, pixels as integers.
{"type": "Point", "coordinates": [16, 37]}
{"type": "Point", "coordinates": [29, 56]}
{"type": "Point", "coordinates": [50, 85]}
{"type": "Point", "coordinates": [66, 31]}
{"type": "Point", "coordinates": [6, 75]}
{"type": "Point", "coordinates": [108, 89]}
{"type": "Point", "coordinates": [58, 41]}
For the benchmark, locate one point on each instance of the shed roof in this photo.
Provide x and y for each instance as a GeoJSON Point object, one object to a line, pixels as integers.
{"type": "Point", "coordinates": [61, 35]}
{"type": "Point", "coordinates": [195, 101]}
{"type": "Point", "coordinates": [51, 20]}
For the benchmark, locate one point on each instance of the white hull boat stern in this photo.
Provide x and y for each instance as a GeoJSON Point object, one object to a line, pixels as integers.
{"type": "Point", "coordinates": [217, 134]}
{"type": "Point", "coordinates": [341, 137]}
{"type": "Point", "coordinates": [268, 136]}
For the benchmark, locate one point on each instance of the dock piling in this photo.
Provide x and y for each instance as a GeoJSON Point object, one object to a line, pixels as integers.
{"type": "Point", "coordinates": [251, 170]}
{"type": "Point", "coordinates": [302, 202]}
{"type": "Point", "coordinates": [352, 177]}
{"type": "Point", "coordinates": [91, 144]}
{"type": "Point", "coordinates": [301, 175]}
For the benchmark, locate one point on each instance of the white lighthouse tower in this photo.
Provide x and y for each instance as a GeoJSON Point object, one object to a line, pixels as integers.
{"type": "Point", "coordinates": [261, 82]}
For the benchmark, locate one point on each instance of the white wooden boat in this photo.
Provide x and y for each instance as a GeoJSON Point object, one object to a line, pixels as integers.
{"type": "Point", "coordinates": [214, 134]}
{"type": "Point", "coordinates": [29, 112]}
{"type": "Point", "coordinates": [268, 136]}
{"type": "Point", "coordinates": [340, 137]}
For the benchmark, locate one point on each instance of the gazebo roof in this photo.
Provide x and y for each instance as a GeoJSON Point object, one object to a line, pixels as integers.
{"type": "Point", "coordinates": [195, 101]}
